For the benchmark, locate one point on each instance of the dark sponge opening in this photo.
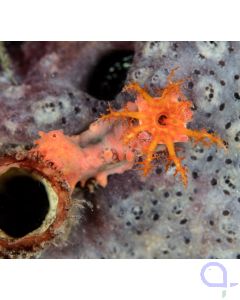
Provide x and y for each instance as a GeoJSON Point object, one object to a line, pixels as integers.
{"type": "Point", "coordinates": [107, 78]}
{"type": "Point", "coordinates": [24, 202]}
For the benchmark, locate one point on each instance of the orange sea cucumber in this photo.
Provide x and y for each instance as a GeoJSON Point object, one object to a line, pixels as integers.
{"type": "Point", "coordinates": [135, 130]}
{"type": "Point", "coordinates": [106, 148]}
{"type": "Point", "coordinates": [162, 120]}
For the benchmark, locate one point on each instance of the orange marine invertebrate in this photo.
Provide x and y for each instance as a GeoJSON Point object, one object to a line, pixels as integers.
{"type": "Point", "coordinates": [79, 158]}
{"type": "Point", "coordinates": [160, 120]}
{"type": "Point", "coordinates": [58, 162]}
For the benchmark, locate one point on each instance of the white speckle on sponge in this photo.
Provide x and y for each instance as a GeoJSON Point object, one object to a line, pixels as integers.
{"type": "Point", "coordinates": [210, 91]}
{"type": "Point", "coordinates": [140, 75]}
{"type": "Point", "coordinates": [161, 48]}
{"type": "Point", "coordinates": [50, 110]}
{"type": "Point", "coordinates": [212, 50]}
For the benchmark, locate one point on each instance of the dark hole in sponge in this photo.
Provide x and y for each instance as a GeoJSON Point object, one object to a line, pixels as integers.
{"type": "Point", "coordinates": [24, 203]}
{"type": "Point", "coordinates": [108, 76]}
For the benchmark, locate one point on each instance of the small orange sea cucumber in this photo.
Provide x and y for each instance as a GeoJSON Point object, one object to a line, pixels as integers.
{"type": "Point", "coordinates": [59, 162]}
{"type": "Point", "coordinates": [160, 120]}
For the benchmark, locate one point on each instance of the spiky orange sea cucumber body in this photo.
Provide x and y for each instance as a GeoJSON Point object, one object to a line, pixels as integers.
{"type": "Point", "coordinates": [135, 130]}
{"type": "Point", "coordinates": [160, 120]}
{"type": "Point", "coordinates": [105, 148]}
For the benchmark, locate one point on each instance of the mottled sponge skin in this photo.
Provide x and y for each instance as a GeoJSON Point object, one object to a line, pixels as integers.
{"type": "Point", "coordinates": [155, 217]}
{"type": "Point", "coordinates": [49, 95]}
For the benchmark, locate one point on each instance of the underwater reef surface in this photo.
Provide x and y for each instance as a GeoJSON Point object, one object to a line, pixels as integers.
{"type": "Point", "coordinates": [63, 85]}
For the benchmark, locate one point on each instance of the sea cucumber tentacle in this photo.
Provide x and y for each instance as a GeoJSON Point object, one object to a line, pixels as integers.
{"type": "Point", "coordinates": [177, 161]}
{"type": "Point", "coordinates": [202, 135]}
{"type": "Point", "coordinates": [149, 155]}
